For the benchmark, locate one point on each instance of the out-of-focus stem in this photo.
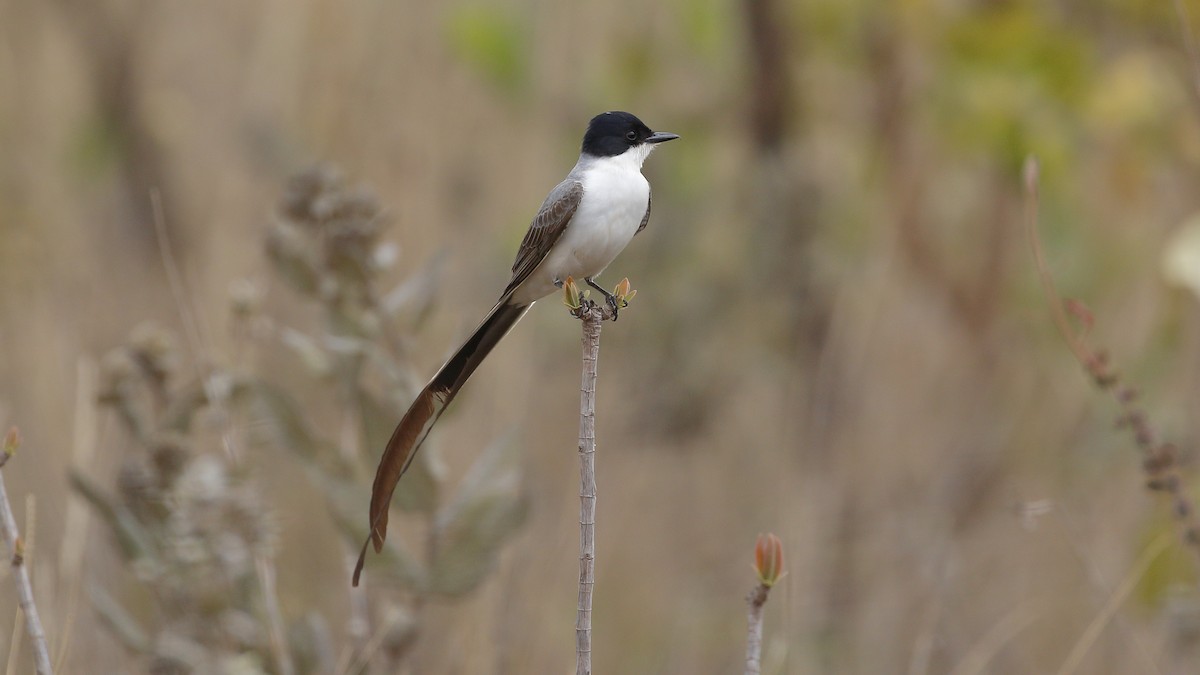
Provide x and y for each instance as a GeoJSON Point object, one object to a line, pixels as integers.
{"type": "Point", "coordinates": [12, 537]}
{"type": "Point", "coordinates": [754, 629]}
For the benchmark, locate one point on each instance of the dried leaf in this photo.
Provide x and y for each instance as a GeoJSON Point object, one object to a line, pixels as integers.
{"type": "Point", "coordinates": [488, 508]}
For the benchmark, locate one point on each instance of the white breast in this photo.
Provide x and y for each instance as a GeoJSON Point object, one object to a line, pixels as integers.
{"type": "Point", "coordinates": [614, 202]}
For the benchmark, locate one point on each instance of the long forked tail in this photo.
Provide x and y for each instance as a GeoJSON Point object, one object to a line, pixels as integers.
{"type": "Point", "coordinates": [425, 410]}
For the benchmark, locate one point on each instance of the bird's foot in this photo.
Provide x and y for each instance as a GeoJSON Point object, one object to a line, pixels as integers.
{"type": "Point", "coordinates": [585, 306]}
{"type": "Point", "coordinates": [611, 299]}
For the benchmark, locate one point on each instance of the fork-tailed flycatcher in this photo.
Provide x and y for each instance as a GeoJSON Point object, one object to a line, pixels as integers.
{"type": "Point", "coordinates": [584, 223]}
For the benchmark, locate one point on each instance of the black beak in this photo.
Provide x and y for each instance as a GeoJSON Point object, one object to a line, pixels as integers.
{"type": "Point", "coordinates": [661, 137]}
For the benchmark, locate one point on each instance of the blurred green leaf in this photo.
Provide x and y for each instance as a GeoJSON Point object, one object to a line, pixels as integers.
{"type": "Point", "coordinates": [634, 67]}
{"type": "Point", "coordinates": [310, 353]}
{"type": "Point", "coordinates": [488, 508]}
{"type": "Point", "coordinates": [493, 43]}
{"type": "Point", "coordinates": [1012, 79]}
{"type": "Point", "coordinates": [97, 146]}
{"type": "Point", "coordinates": [1136, 94]}
{"type": "Point", "coordinates": [275, 419]}
{"type": "Point", "coordinates": [416, 295]}
{"type": "Point", "coordinates": [1022, 40]}
{"type": "Point", "coordinates": [293, 253]}
{"type": "Point", "coordinates": [1173, 568]}
{"type": "Point", "coordinates": [132, 538]}
{"type": "Point", "coordinates": [707, 25]}
{"type": "Point", "coordinates": [311, 642]}
{"type": "Point", "coordinates": [349, 345]}
{"type": "Point", "coordinates": [418, 491]}
{"type": "Point", "coordinates": [118, 620]}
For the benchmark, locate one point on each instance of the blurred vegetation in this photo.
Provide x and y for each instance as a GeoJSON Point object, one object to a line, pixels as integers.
{"type": "Point", "coordinates": [839, 335]}
{"type": "Point", "coordinates": [188, 519]}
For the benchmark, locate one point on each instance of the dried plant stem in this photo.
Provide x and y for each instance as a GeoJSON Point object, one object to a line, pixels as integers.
{"type": "Point", "coordinates": [592, 316]}
{"type": "Point", "coordinates": [1118, 598]}
{"type": "Point", "coordinates": [754, 630]}
{"type": "Point", "coordinates": [1160, 461]}
{"type": "Point", "coordinates": [33, 623]}
{"type": "Point", "coordinates": [278, 640]}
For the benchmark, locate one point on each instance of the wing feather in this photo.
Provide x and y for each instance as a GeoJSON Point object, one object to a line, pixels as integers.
{"type": "Point", "coordinates": [646, 218]}
{"type": "Point", "coordinates": [545, 230]}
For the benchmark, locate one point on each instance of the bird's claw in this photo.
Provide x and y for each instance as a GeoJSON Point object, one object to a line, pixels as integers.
{"type": "Point", "coordinates": [612, 304]}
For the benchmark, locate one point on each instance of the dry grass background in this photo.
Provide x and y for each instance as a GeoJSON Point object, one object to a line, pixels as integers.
{"type": "Point", "coordinates": [838, 336]}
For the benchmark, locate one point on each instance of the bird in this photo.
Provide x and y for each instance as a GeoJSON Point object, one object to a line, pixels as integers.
{"type": "Point", "coordinates": [581, 227]}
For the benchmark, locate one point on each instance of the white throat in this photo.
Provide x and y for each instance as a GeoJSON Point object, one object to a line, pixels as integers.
{"type": "Point", "coordinates": [638, 154]}
{"type": "Point", "coordinates": [630, 160]}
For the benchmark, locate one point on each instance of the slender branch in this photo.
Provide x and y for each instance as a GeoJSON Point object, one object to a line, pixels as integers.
{"type": "Point", "coordinates": [1160, 460]}
{"type": "Point", "coordinates": [1113, 604]}
{"type": "Point", "coordinates": [12, 536]}
{"type": "Point", "coordinates": [1057, 306]}
{"type": "Point", "coordinates": [592, 317]}
{"type": "Point", "coordinates": [768, 566]}
{"type": "Point", "coordinates": [754, 631]}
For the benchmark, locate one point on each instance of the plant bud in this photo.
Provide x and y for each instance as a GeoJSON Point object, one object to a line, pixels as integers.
{"type": "Point", "coordinates": [768, 559]}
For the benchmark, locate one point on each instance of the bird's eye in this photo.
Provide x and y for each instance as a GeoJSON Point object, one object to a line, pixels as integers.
{"type": "Point", "coordinates": [631, 135]}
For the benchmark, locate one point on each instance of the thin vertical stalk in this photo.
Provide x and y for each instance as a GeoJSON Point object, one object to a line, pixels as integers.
{"type": "Point", "coordinates": [754, 628]}
{"type": "Point", "coordinates": [12, 536]}
{"type": "Point", "coordinates": [591, 318]}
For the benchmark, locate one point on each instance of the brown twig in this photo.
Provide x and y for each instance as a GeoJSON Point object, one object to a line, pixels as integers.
{"type": "Point", "coordinates": [12, 536]}
{"type": "Point", "coordinates": [1160, 460]}
{"type": "Point", "coordinates": [768, 566]}
{"type": "Point", "coordinates": [1114, 602]}
{"type": "Point", "coordinates": [592, 315]}
{"type": "Point", "coordinates": [754, 631]}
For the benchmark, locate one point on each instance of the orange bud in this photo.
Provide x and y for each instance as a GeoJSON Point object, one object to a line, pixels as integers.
{"type": "Point", "coordinates": [12, 441]}
{"type": "Point", "coordinates": [623, 292]}
{"type": "Point", "coordinates": [768, 559]}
